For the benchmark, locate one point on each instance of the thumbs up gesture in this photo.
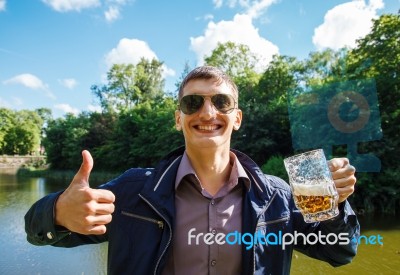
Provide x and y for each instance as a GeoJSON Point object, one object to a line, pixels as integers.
{"type": "Point", "coordinates": [82, 209]}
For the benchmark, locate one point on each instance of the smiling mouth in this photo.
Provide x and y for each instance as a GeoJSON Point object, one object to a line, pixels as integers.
{"type": "Point", "coordinates": [208, 127]}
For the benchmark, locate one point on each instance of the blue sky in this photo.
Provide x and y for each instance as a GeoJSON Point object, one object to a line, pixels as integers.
{"type": "Point", "coordinates": [52, 51]}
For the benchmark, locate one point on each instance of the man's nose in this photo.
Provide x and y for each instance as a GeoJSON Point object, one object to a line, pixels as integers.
{"type": "Point", "coordinates": [208, 110]}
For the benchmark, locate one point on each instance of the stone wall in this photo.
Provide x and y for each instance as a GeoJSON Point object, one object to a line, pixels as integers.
{"type": "Point", "coordinates": [18, 161]}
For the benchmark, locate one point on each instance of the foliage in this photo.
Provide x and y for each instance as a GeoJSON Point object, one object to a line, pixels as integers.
{"type": "Point", "coordinates": [64, 141]}
{"type": "Point", "coordinates": [141, 137]}
{"type": "Point", "coordinates": [186, 70]}
{"type": "Point", "coordinates": [378, 57]}
{"type": "Point", "coordinates": [130, 84]}
{"type": "Point", "coordinates": [265, 128]}
{"type": "Point", "coordinates": [20, 131]}
{"type": "Point", "coordinates": [274, 166]}
{"type": "Point", "coordinates": [236, 60]}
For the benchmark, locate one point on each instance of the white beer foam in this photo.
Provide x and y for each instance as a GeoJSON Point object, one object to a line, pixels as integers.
{"type": "Point", "coordinates": [313, 189]}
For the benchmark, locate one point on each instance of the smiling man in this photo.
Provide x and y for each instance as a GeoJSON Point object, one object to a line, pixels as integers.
{"type": "Point", "coordinates": [171, 219]}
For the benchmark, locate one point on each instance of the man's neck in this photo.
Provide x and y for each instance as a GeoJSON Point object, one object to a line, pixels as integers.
{"type": "Point", "coordinates": [212, 167]}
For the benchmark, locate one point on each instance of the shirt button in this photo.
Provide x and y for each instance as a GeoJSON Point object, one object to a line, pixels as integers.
{"type": "Point", "coordinates": [212, 202]}
{"type": "Point", "coordinates": [214, 231]}
{"type": "Point", "coordinates": [213, 262]}
{"type": "Point", "coordinates": [49, 235]}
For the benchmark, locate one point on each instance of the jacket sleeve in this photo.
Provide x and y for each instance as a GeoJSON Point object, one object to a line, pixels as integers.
{"type": "Point", "coordinates": [337, 237]}
{"type": "Point", "coordinates": [42, 230]}
{"type": "Point", "coordinates": [40, 224]}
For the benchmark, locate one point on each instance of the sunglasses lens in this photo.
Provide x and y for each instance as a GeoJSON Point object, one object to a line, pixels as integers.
{"type": "Point", "coordinates": [190, 104]}
{"type": "Point", "coordinates": [223, 102]}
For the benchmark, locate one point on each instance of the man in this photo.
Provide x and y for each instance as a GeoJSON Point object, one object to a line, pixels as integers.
{"type": "Point", "coordinates": [173, 219]}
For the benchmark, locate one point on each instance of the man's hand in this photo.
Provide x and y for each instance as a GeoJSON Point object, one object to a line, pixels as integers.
{"type": "Point", "coordinates": [343, 175]}
{"type": "Point", "coordinates": [82, 209]}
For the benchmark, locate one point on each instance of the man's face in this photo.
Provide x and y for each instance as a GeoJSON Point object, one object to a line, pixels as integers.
{"type": "Point", "coordinates": [207, 128]}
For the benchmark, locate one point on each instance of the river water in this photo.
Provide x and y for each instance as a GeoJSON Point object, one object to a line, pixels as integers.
{"type": "Point", "coordinates": [17, 256]}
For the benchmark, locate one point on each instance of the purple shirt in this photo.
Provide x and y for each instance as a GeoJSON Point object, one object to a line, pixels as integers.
{"type": "Point", "coordinates": [199, 213]}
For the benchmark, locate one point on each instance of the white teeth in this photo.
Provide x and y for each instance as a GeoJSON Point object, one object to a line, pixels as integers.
{"type": "Point", "coordinates": [208, 127]}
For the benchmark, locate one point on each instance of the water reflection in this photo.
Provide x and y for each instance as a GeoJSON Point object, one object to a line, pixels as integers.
{"type": "Point", "coordinates": [17, 256]}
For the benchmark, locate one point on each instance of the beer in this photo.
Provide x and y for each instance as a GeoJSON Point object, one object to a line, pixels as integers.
{"type": "Point", "coordinates": [314, 204]}
{"type": "Point", "coordinates": [314, 191]}
{"type": "Point", "coordinates": [314, 198]}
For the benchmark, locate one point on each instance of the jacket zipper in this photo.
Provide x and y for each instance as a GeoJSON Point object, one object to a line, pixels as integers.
{"type": "Point", "coordinates": [254, 248]}
{"type": "Point", "coordinates": [160, 223]}
{"type": "Point", "coordinates": [274, 221]}
{"type": "Point", "coordinates": [170, 234]}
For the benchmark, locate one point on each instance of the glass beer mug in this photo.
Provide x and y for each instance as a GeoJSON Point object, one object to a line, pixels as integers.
{"type": "Point", "coordinates": [313, 189]}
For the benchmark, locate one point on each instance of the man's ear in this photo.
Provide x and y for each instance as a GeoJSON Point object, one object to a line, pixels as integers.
{"type": "Point", "coordinates": [178, 125]}
{"type": "Point", "coordinates": [238, 120]}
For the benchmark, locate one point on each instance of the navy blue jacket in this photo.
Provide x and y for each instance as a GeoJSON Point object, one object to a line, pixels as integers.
{"type": "Point", "coordinates": [141, 230]}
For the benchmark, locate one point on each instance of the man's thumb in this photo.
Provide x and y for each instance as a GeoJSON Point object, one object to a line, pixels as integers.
{"type": "Point", "coordinates": [83, 174]}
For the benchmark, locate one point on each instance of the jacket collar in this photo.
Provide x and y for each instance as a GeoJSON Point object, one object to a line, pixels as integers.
{"type": "Point", "coordinates": [260, 192]}
{"type": "Point", "coordinates": [159, 188]}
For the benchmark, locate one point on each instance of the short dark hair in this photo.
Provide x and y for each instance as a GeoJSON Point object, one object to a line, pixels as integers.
{"type": "Point", "coordinates": [208, 72]}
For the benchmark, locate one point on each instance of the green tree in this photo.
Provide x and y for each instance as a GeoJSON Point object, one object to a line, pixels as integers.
{"type": "Point", "coordinates": [65, 139]}
{"type": "Point", "coordinates": [141, 136]}
{"type": "Point", "coordinates": [239, 62]}
{"type": "Point", "coordinates": [6, 122]}
{"type": "Point", "coordinates": [186, 70]}
{"type": "Point", "coordinates": [265, 131]}
{"type": "Point", "coordinates": [236, 60]}
{"type": "Point", "coordinates": [130, 84]}
{"type": "Point", "coordinates": [19, 140]}
{"type": "Point", "coordinates": [377, 56]}
{"type": "Point", "coordinates": [23, 133]}
{"type": "Point", "coordinates": [324, 67]}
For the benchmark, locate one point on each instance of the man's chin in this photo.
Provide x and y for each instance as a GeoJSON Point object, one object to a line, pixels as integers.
{"type": "Point", "coordinates": [208, 142]}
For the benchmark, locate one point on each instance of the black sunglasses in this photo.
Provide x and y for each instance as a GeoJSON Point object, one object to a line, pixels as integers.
{"type": "Point", "coordinates": [224, 103]}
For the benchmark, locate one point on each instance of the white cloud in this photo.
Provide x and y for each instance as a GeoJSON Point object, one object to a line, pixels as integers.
{"type": "Point", "coordinates": [119, 2]}
{"type": "Point", "coordinates": [30, 81]}
{"type": "Point", "coordinates": [253, 8]}
{"type": "Point", "coordinates": [112, 8]}
{"type": "Point", "coordinates": [167, 71]}
{"type": "Point", "coordinates": [93, 108]}
{"type": "Point", "coordinates": [240, 31]}
{"type": "Point", "coordinates": [69, 83]}
{"type": "Point", "coordinates": [71, 5]}
{"type": "Point", "coordinates": [205, 17]}
{"type": "Point", "coordinates": [2, 5]}
{"type": "Point", "coordinates": [346, 23]}
{"type": "Point", "coordinates": [130, 51]}
{"type": "Point", "coordinates": [112, 14]}
{"type": "Point", "coordinates": [218, 3]}
{"type": "Point", "coordinates": [258, 7]}
{"type": "Point", "coordinates": [66, 108]}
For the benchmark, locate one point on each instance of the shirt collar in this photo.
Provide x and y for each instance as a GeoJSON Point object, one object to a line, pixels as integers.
{"type": "Point", "coordinates": [237, 172]}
